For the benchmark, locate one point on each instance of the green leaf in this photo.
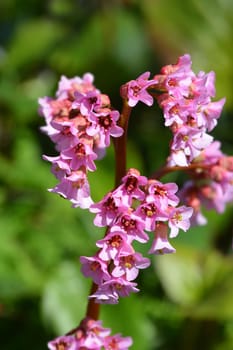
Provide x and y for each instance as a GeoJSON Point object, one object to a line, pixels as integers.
{"type": "Point", "coordinates": [65, 297]}
{"type": "Point", "coordinates": [180, 275]}
{"type": "Point", "coordinates": [199, 282]}
{"type": "Point", "coordinates": [73, 54]}
{"type": "Point", "coordinates": [129, 318]}
{"type": "Point", "coordinates": [33, 40]}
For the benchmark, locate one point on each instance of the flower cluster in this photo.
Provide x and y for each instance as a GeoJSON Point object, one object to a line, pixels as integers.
{"type": "Point", "coordinates": [79, 121]}
{"type": "Point", "coordinates": [90, 335]}
{"type": "Point", "coordinates": [137, 205]}
{"type": "Point", "coordinates": [186, 100]}
{"type": "Point", "coordinates": [211, 183]}
{"type": "Point", "coordinates": [189, 111]}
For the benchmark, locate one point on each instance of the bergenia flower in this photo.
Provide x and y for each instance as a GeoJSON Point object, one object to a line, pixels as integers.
{"type": "Point", "coordinates": [136, 90]}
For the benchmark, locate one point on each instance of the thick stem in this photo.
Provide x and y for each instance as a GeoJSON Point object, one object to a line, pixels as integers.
{"type": "Point", "coordinates": [93, 308]}
{"type": "Point", "coordinates": [120, 144]}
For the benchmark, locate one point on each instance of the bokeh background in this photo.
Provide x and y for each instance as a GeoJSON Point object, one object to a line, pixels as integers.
{"type": "Point", "coordinates": [186, 300]}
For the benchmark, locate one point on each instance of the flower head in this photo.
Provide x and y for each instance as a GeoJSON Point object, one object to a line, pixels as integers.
{"type": "Point", "coordinates": [136, 90]}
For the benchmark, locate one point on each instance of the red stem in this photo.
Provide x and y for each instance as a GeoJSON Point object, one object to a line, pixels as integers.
{"type": "Point", "coordinates": [92, 307]}
{"type": "Point", "coordinates": [166, 169]}
{"type": "Point", "coordinates": [120, 144]}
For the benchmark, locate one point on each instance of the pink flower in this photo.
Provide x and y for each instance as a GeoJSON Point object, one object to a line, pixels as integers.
{"type": "Point", "coordinates": [179, 218]}
{"type": "Point", "coordinates": [54, 109]}
{"type": "Point", "coordinates": [136, 90]}
{"type": "Point", "coordinates": [113, 245]}
{"type": "Point", "coordinates": [130, 187]}
{"type": "Point", "coordinates": [186, 100]}
{"type": "Point", "coordinates": [208, 112]}
{"type": "Point", "coordinates": [110, 291]}
{"type": "Point", "coordinates": [80, 155]}
{"type": "Point", "coordinates": [163, 193]}
{"type": "Point", "coordinates": [107, 210]}
{"type": "Point", "coordinates": [214, 197]}
{"type": "Point", "coordinates": [88, 103]}
{"type": "Point", "coordinates": [95, 268]}
{"type": "Point", "coordinates": [65, 342]}
{"type": "Point", "coordinates": [90, 335]}
{"type": "Point", "coordinates": [190, 196]}
{"type": "Point", "coordinates": [63, 134]}
{"type": "Point", "coordinates": [105, 126]}
{"type": "Point", "coordinates": [116, 342]}
{"type": "Point", "coordinates": [151, 212]}
{"type": "Point", "coordinates": [129, 266]}
{"type": "Point", "coordinates": [67, 87]}
{"type": "Point", "coordinates": [105, 294]}
{"type": "Point", "coordinates": [187, 144]}
{"type": "Point", "coordinates": [75, 187]}
{"type": "Point", "coordinates": [182, 67]}
{"type": "Point", "coordinates": [60, 166]}
{"type": "Point", "coordinates": [211, 154]}
{"type": "Point", "coordinates": [160, 244]}
{"type": "Point", "coordinates": [176, 110]}
{"type": "Point", "coordinates": [131, 224]}
{"type": "Point", "coordinates": [176, 78]}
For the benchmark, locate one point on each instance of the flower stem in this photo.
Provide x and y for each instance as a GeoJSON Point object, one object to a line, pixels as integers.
{"type": "Point", "coordinates": [120, 144]}
{"type": "Point", "coordinates": [92, 307]}
{"type": "Point", "coordinates": [166, 169]}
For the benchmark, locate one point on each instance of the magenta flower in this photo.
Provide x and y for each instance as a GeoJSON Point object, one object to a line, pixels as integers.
{"type": "Point", "coordinates": [88, 103]}
{"type": "Point", "coordinates": [107, 210]}
{"type": "Point", "coordinates": [136, 90]}
{"type": "Point", "coordinates": [160, 244]}
{"type": "Point", "coordinates": [95, 268]}
{"type": "Point", "coordinates": [131, 187]}
{"type": "Point", "coordinates": [213, 196]}
{"type": "Point", "coordinates": [131, 224]}
{"type": "Point", "coordinates": [177, 111]}
{"type": "Point", "coordinates": [64, 342]}
{"type": "Point", "coordinates": [105, 126]}
{"type": "Point", "coordinates": [90, 335]}
{"type": "Point", "coordinates": [187, 144]}
{"type": "Point", "coordinates": [75, 187]}
{"type": "Point", "coordinates": [163, 193]}
{"type": "Point", "coordinates": [179, 218]}
{"type": "Point", "coordinates": [60, 166]}
{"type": "Point", "coordinates": [207, 114]}
{"type": "Point", "coordinates": [151, 212]}
{"type": "Point", "coordinates": [182, 67]}
{"type": "Point", "coordinates": [105, 294]}
{"type": "Point", "coordinates": [80, 155]}
{"type": "Point", "coordinates": [116, 342]}
{"type": "Point", "coordinates": [63, 134]}
{"type": "Point", "coordinates": [54, 109]}
{"type": "Point", "coordinates": [113, 245]}
{"type": "Point", "coordinates": [114, 288]}
{"type": "Point", "coordinates": [211, 154]}
{"type": "Point", "coordinates": [129, 265]}
{"type": "Point", "coordinates": [67, 87]}
{"type": "Point", "coordinates": [190, 196]}
{"type": "Point", "coordinates": [122, 287]}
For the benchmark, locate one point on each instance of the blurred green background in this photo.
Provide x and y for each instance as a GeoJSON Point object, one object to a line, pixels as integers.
{"type": "Point", "coordinates": [186, 300]}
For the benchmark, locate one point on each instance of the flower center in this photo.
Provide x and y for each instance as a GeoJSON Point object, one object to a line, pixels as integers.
{"type": "Point", "coordinates": [115, 241]}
